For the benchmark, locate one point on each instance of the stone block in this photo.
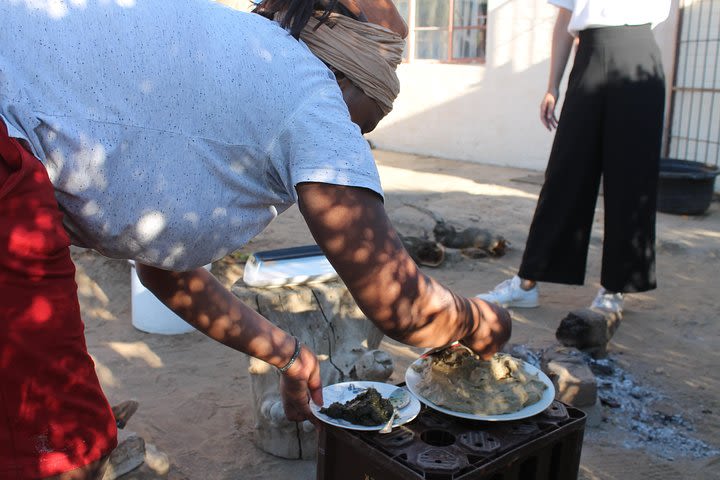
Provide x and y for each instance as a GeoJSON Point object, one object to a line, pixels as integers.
{"type": "Point", "coordinates": [574, 382]}
{"type": "Point", "coordinates": [589, 330]}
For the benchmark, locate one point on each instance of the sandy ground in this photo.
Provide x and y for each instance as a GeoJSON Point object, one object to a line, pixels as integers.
{"type": "Point", "coordinates": [662, 399]}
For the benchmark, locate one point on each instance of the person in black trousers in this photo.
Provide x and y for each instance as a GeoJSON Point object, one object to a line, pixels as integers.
{"type": "Point", "coordinates": [610, 128]}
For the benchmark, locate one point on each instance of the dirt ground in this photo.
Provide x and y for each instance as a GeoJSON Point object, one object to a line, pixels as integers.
{"type": "Point", "coordinates": [661, 401]}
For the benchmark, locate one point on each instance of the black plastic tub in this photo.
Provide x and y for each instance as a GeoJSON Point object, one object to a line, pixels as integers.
{"type": "Point", "coordinates": [685, 187]}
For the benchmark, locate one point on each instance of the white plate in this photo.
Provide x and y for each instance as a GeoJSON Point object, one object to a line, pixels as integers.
{"type": "Point", "coordinates": [342, 392]}
{"type": "Point", "coordinates": [412, 378]}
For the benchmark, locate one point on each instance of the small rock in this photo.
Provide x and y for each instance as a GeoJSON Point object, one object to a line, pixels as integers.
{"type": "Point", "coordinates": [374, 365]}
{"type": "Point", "coordinates": [127, 456]}
{"type": "Point", "coordinates": [156, 460]}
{"type": "Point", "coordinates": [610, 402]}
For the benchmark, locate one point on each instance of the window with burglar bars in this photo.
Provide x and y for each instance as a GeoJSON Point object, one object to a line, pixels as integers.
{"type": "Point", "coordinates": [694, 115]}
{"type": "Point", "coordinates": [448, 31]}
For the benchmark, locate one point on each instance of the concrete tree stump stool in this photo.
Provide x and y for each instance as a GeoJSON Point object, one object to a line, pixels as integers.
{"type": "Point", "coordinates": [325, 317]}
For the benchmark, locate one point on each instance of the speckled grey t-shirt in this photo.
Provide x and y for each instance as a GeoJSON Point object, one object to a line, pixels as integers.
{"type": "Point", "coordinates": [173, 130]}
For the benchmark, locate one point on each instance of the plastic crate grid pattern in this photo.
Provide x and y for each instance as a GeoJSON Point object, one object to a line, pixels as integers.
{"type": "Point", "coordinates": [436, 446]}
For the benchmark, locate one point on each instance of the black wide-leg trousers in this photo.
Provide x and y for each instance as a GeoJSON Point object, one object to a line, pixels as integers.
{"type": "Point", "coordinates": [610, 127]}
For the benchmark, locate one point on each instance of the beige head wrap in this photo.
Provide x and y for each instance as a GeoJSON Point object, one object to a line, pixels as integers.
{"type": "Point", "coordinates": [366, 53]}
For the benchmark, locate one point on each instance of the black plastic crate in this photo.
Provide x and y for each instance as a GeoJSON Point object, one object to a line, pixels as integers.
{"type": "Point", "coordinates": [436, 446]}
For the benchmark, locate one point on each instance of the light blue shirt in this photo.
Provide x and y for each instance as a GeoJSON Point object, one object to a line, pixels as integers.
{"type": "Point", "coordinates": [173, 130]}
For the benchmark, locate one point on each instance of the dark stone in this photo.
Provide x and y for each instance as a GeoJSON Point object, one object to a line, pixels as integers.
{"type": "Point", "coordinates": [588, 329]}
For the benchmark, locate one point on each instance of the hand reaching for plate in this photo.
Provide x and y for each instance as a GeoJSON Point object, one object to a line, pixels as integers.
{"type": "Point", "coordinates": [301, 384]}
{"type": "Point", "coordinates": [492, 332]}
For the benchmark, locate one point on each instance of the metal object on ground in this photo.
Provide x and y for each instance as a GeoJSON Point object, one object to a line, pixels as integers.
{"type": "Point", "coordinates": [288, 266]}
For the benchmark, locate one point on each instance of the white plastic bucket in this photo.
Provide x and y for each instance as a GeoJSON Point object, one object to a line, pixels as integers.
{"type": "Point", "coordinates": [149, 314]}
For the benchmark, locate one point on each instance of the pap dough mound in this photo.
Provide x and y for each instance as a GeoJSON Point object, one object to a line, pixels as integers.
{"type": "Point", "coordinates": [460, 381]}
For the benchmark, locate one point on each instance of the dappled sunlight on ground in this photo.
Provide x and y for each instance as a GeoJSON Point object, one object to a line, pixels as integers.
{"type": "Point", "coordinates": [105, 374]}
{"type": "Point", "coordinates": [137, 351]}
{"type": "Point", "coordinates": [438, 182]}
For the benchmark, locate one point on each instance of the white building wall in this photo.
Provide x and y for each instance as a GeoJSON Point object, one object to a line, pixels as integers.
{"type": "Point", "coordinates": [488, 113]}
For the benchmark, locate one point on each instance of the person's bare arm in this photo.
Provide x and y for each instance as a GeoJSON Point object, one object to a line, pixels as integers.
{"type": "Point", "coordinates": [562, 43]}
{"type": "Point", "coordinates": [352, 228]}
{"type": "Point", "coordinates": [201, 300]}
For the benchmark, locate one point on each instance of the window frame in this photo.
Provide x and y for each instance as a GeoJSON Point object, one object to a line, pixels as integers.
{"type": "Point", "coordinates": [449, 29]}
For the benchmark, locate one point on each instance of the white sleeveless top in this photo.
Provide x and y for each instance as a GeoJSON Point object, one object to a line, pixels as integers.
{"type": "Point", "coordinates": [607, 13]}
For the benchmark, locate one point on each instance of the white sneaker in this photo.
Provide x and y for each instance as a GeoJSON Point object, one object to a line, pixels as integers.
{"type": "Point", "coordinates": [510, 294]}
{"type": "Point", "coordinates": [610, 302]}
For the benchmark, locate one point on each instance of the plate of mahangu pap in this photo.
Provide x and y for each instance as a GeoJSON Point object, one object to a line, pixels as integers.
{"type": "Point", "coordinates": [458, 382]}
{"type": "Point", "coordinates": [365, 405]}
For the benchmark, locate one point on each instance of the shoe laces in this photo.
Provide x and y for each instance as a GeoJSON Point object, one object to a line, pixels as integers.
{"type": "Point", "coordinates": [503, 287]}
